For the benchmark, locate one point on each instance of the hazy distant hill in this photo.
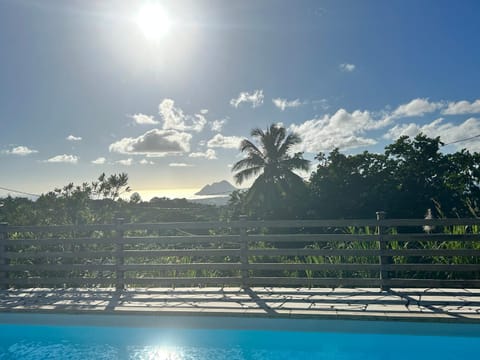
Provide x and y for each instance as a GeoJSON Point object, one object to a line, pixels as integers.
{"type": "Point", "coordinates": [218, 188]}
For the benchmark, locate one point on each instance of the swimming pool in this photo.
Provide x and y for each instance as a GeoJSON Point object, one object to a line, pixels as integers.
{"type": "Point", "coordinates": [37, 336]}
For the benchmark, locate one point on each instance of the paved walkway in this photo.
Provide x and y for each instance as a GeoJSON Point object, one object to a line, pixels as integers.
{"type": "Point", "coordinates": [457, 305]}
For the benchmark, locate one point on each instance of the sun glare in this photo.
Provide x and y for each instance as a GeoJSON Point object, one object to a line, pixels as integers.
{"type": "Point", "coordinates": [154, 21]}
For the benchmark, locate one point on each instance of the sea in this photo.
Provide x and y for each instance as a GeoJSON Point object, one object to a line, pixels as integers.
{"type": "Point", "coordinates": [185, 193]}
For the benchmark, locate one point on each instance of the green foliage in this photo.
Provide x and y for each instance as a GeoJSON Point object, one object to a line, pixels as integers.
{"type": "Point", "coordinates": [99, 202]}
{"type": "Point", "coordinates": [409, 178]}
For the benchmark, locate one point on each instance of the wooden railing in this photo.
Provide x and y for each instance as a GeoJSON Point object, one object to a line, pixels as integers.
{"type": "Point", "coordinates": [380, 252]}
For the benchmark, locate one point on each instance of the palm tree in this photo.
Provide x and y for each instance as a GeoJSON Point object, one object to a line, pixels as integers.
{"type": "Point", "coordinates": [274, 164]}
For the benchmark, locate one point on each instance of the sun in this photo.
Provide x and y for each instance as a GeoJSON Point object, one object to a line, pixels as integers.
{"type": "Point", "coordinates": [154, 21]}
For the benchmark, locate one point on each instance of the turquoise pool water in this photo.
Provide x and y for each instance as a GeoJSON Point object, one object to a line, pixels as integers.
{"type": "Point", "coordinates": [24, 341]}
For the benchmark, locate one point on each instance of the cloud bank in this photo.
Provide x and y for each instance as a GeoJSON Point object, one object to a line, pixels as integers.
{"type": "Point", "coordinates": [155, 142]}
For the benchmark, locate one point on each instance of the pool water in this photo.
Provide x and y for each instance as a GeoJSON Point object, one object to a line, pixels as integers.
{"type": "Point", "coordinates": [19, 341]}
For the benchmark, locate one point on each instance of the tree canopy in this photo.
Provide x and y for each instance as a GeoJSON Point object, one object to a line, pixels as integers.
{"type": "Point", "coordinates": [412, 176]}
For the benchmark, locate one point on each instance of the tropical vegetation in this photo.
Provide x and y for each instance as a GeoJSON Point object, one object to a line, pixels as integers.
{"type": "Point", "coordinates": [410, 178]}
{"type": "Point", "coordinates": [278, 190]}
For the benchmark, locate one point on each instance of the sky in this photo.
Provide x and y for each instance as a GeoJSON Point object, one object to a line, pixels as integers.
{"type": "Point", "coordinates": [166, 90]}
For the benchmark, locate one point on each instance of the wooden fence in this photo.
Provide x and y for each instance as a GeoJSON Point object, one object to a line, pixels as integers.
{"type": "Point", "coordinates": [380, 252]}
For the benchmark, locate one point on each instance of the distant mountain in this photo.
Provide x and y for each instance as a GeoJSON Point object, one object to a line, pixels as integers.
{"type": "Point", "coordinates": [218, 188]}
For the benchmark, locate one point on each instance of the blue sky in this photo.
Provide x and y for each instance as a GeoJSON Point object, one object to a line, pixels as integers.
{"type": "Point", "coordinates": [83, 90]}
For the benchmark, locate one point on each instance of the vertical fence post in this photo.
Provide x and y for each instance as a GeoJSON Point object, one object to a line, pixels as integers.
{"type": "Point", "coordinates": [3, 259]}
{"type": "Point", "coordinates": [244, 251]}
{"type": "Point", "coordinates": [119, 255]}
{"type": "Point", "coordinates": [383, 259]}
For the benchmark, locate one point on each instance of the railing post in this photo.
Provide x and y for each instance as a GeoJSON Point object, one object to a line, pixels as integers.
{"type": "Point", "coordinates": [382, 258]}
{"type": "Point", "coordinates": [244, 251]}
{"type": "Point", "coordinates": [3, 259]}
{"type": "Point", "coordinates": [119, 255]}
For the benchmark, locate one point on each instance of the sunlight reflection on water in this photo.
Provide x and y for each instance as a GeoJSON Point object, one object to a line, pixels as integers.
{"type": "Point", "coordinates": [90, 342]}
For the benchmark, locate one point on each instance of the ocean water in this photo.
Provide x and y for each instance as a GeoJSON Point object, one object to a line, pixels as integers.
{"type": "Point", "coordinates": [91, 342]}
{"type": "Point", "coordinates": [187, 193]}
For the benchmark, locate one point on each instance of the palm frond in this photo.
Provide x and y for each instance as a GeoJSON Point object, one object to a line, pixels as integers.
{"type": "Point", "coordinates": [250, 161]}
{"type": "Point", "coordinates": [272, 163]}
{"type": "Point", "coordinates": [296, 162]}
{"type": "Point", "coordinates": [249, 147]}
{"type": "Point", "coordinates": [291, 139]}
{"type": "Point", "coordinates": [243, 175]}
{"type": "Point", "coordinates": [257, 132]}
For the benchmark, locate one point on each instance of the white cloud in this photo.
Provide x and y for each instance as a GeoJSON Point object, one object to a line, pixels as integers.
{"type": "Point", "coordinates": [20, 151]}
{"type": "Point", "coordinates": [351, 130]}
{"type": "Point", "coordinates": [146, 162]}
{"type": "Point", "coordinates": [343, 130]}
{"type": "Point", "coordinates": [125, 162]}
{"type": "Point", "coordinates": [179, 165]}
{"type": "Point", "coordinates": [227, 142]}
{"type": "Point", "coordinates": [154, 143]}
{"type": "Point", "coordinates": [99, 161]}
{"type": "Point", "coordinates": [347, 67]}
{"type": "Point", "coordinates": [73, 138]}
{"type": "Point", "coordinates": [204, 111]}
{"type": "Point", "coordinates": [462, 107]}
{"type": "Point", "coordinates": [209, 154]}
{"type": "Point", "coordinates": [143, 119]}
{"type": "Point", "coordinates": [416, 107]}
{"type": "Point", "coordinates": [217, 125]}
{"type": "Point", "coordinates": [174, 118]}
{"type": "Point", "coordinates": [282, 104]}
{"type": "Point", "coordinates": [448, 132]}
{"type": "Point", "coordinates": [255, 98]}
{"type": "Point", "coordinates": [70, 159]}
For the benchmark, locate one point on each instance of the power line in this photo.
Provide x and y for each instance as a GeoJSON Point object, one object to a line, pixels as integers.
{"type": "Point", "coordinates": [19, 191]}
{"type": "Point", "coordinates": [465, 139]}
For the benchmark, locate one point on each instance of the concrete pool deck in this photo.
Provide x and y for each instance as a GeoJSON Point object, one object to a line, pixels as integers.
{"type": "Point", "coordinates": [433, 304]}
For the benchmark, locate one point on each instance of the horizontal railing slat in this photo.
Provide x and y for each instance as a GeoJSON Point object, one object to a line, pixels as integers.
{"type": "Point", "coordinates": [432, 283]}
{"type": "Point", "coordinates": [312, 252]}
{"type": "Point", "coordinates": [180, 267]}
{"type": "Point", "coordinates": [237, 266]}
{"type": "Point", "coordinates": [431, 252]}
{"type": "Point", "coordinates": [35, 281]}
{"type": "Point", "coordinates": [94, 254]}
{"type": "Point", "coordinates": [433, 267]}
{"type": "Point", "coordinates": [127, 253]}
{"type": "Point", "coordinates": [55, 281]}
{"type": "Point", "coordinates": [431, 237]}
{"type": "Point", "coordinates": [298, 281]}
{"type": "Point", "coordinates": [59, 254]}
{"type": "Point", "coordinates": [364, 253]}
{"type": "Point", "coordinates": [183, 281]}
{"type": "Point", "coordinates": [58, 267]}
{"type": "Point", "coordinates": [313, 267]}
{"type": "Point", "coordinates": [126, 240]}
{"type": "Point", "coordinates": [311, 238]}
